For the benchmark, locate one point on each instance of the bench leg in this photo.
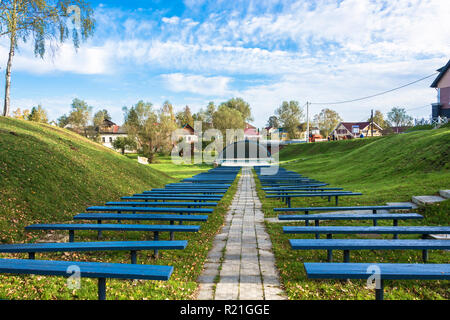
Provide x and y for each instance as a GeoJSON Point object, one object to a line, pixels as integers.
{"type": "Point", "coordinates": [316, 222]}
{"type": "Point", "coordinates": [346, 256]}
{"type": "Point", "coordinates": [71, 235]}
{"type": "Point", "coordinates": [329, 252]}
{"type": "Point", "coordinates": [172, 236]}
{"type": "Point", "coordinates": [337, 200]}
{"type": "Point", "coordinates": [99, 232]}
{"type": "Point", "coordinates": [31, 255]}
{"type": "Point", "coordinates": [425, 256]}
{"type": "Point", "coordinates": [101, 288]}
{"type": "Point", "coordinates": [379, 293]}
{"type": "Point", "coordinates": [156, 238]}
{"type": "Point", "coordinates": [133, 254]}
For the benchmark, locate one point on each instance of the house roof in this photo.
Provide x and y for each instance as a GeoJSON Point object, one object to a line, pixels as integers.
{"type": "Point", "coordinates": [251, 132]}
{"type": "Point", "coordinates": [361, 125]}
{"type": "Point", "coordinates": [188, 127]}
{"type": "Point", "coordinates": [108, 123]}
{"type": "Point", "coordinates": [442, 72]}
{"type": "Point", "coordinates": [249, 126]}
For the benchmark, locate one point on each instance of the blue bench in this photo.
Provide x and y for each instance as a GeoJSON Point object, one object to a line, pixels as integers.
{"type": "Point", "coordinates": [132, 246]}
{"type": "Point", "coordinates": [178, 198]}
{"type": "Point", "coordinates": [197, 185]}
{"type": "Point", "coordinates": [374, 209]}
{"type": "Point", "coordinates": [368, 244]}
{"type": "Point", "coordinates": [388, 271]}
{"type": "Point", "coordinates": [98, 270]}
{"type": "Point", "coordinates": [190, 191]}
{"type": "Point", "coordinates": [156, 229]}
{"type": "Point", "coordinates": [140, 217]}
{"type": "Point", "coordinates": [161, 204]}
{"type": "Point", "coordinates": [282, 189]}
{"type": "Point", "coordinates": [329, 231]}
{"type": "Point", "coordinates": [351, 216]}
{"type": "Point", "coordinates": [150, 209]}
{"type": "Point", "coordinates": [288, 197]}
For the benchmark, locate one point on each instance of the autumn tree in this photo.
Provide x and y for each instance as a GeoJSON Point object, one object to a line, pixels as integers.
{"type": "Point", "coordinates": [100, 117]}
{"type": "Point", "coordinates": [378, 118]}
{"type": "Point", "coordinates": [273, 122]}
{"type": "Point", "coordinates": [326, 121]}
{"type": "Point", "coordinates": [18, 114]}
{"type": "Point", "coordinates": [227, 118]}
{"type": "Point", "coordinates": [79, 116]}
{"type": "Point", "coordinates": [185, 117]}
{"type": "Point", "coordinates": [290, 115]}
{"type": "Point", "coordinates": [141, 123]}
{"type": "Point", "coordinates": [124, 143]}
{"type": "Point", "coordinates": [240, 105]}
{"type": "Point", "coordinates": [44, 22]}
{"type": "Point", "coordinates": [38, 114]}
{"type": "Point", "coordinates": [398, 117]}
{"type": "Point", "coordinates": [167, 125]}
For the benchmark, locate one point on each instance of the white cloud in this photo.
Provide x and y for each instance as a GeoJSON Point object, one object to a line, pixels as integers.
{"type": "Point", "coordinates": [87, 60]}
{"type": "Point", "coordinates": [198, 84]}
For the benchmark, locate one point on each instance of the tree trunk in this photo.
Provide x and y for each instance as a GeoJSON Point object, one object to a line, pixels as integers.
{"type": "Point", "coordinates": [8, 77]}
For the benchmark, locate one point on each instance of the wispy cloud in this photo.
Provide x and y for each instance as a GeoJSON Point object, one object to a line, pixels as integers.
{"type": "Point", "coordinates": [198, 84]}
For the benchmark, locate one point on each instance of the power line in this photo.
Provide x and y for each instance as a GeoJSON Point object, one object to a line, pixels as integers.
{"type": "Point", "coordinates": [417, 107]}
{"type": "Point", "coordinates": [378, 94]}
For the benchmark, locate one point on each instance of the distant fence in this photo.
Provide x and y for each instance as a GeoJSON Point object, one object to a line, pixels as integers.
{"type": "Point", "coordinates": [436, 122]}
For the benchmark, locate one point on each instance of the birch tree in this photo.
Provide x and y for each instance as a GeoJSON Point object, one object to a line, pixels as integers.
{"type": "Point", "coordinates": [44, 22]}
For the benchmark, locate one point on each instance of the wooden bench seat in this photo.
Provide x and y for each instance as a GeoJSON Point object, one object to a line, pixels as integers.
{"type": "Point", "coordinates": [141, 217]}
{"type": "Point", "coordinates": [150, 209]}
{"type": "Point", "coordinates": [98, 270]}
{"type": "Point", "coordinates": [288, 197]}
{"type": "Point", "coordinates": [132, 246]}
{"type": "Point", "coordinates": [387, 271]}
{"type": "Point", "coordinates": [161, 204]}
{"type": "Point", "coordinates": [156, 229]}
{"type": "Point", "coordinates": [374, 209]}
{"type": "Point", "coordinates": [368, 244]}
{"type": "Point", "coordinates": [178, 198]}
{"type": "Point", "coordinates": [351, 216]}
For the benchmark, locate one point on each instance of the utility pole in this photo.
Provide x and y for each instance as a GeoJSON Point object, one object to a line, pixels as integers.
{"type": "Point", "coordinates": [371, 122]}
{"type": "Point", "coordinates": [307, 122]}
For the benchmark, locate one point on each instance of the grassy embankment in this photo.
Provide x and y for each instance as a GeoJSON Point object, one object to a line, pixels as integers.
{"type": "Point", "coordinates": [48, 174]}
{"type": "Point", "coordinates": [387, 169]}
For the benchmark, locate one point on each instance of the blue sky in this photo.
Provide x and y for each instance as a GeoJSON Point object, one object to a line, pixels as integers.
{"type": "Point", "coordinates": [194, 51]}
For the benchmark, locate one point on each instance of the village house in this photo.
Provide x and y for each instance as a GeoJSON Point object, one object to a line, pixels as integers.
{"type": "Point", "coordinates": [251, 132]}
{"type": "Point", "coordinates": [442, 86]}
{"type": "Point", "coordinates": [187, 133]}
{"type": "Point", "coordinates": [350, 130]}
{"type": "Point", "coordinates": [109, 131]}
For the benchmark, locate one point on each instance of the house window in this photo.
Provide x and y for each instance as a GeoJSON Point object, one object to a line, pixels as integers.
{"type": "Point", "coordinates": [110, 139]}
{"type": "Point", "coordinates": [103, 139]}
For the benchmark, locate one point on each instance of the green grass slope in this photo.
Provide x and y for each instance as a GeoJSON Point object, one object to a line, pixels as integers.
{"type": "Point", "coordinates": [391, 168]}
{"type": "Point", "coordinates": [48, 174]}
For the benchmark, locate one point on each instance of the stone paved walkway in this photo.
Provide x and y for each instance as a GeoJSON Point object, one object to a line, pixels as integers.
{"type": "Point", "coordinates": [241, 265]}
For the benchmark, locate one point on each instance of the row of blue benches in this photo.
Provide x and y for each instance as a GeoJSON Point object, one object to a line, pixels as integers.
{"type": "Point", "coordinates": [186, 201]}
{"type": "Point", "coordinates": [287, 185]}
